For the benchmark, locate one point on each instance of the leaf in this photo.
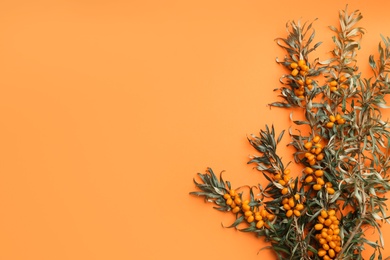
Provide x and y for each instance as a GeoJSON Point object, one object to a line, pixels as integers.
{"type": "Point", "coordinates": [280, 136]}
{"type": "Point", "coordinates": [235, 223]}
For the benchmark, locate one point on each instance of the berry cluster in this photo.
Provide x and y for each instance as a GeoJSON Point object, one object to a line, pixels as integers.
{"type": "Point", "coordinates": [328, 234]}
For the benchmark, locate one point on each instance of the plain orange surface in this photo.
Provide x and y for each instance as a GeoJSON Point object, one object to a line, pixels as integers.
{"type": "Point", "coordinates": [108, 109]}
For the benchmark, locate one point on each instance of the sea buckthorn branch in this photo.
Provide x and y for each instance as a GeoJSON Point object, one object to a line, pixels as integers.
{"type": "Point", "coordinates": [342, 146]}
{"type": "Point", "coordinates": [299, 81]}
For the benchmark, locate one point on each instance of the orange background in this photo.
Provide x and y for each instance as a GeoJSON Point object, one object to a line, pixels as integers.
{"type": "Point", "coordinates": [110, 108]}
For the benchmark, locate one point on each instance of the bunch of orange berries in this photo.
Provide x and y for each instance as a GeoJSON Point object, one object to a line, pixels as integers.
{"type": "Point", "coordinates": [314, 150]}
{"type": "Point", "coordinates": [261, 216]}
{"type": "Point", "coordinates": [317, 176]}
{"type": "Point", "coordinates": [284, 180]}
{"type": "Point", "coordinates": [233, 200]}
{"type": "Point", "coordinates": [302, 69]}
{"type": "Point", "coordinates": [299, 68]}
{"type": "Point", "coordinates": [292, 206]}
{"type": "Point", "coordinates": [341, 82]}
{"type": "Point", "coordinates": [335, 119]}
{"type": "Point", "coordinates": [328, 234]}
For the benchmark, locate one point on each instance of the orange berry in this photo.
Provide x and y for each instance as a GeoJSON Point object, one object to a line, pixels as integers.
{"type": "Point", "coordinates": [338, 116]}
{"type": "Point", "coordinates": [264, 213]}
{"type": "Point", "coordinates": [299, 207]}
{"type": "Point", "coordinates": [291, 202]}
{"type": "Point", "coordinates": [312, 162]}
{"type": "Point", "coordinates": [285, 201]}
{"type": "Point", "coordinates": [286, 178]}
{"type": "Point", "coordinates": [250, 219]}
{"type": "Point", "coordinates": [322, 241]}
{"type": "Point", "coordinates": [332, 118]}
{"type": "Point", "coordinates": [294, 72]}
{"type": "Point", "coordinates": [318, 227]}
{"type": "Point", "coordinates": [309, 179]}
{"type": "Point", "coordinates": [308, 81]}
{"type": "Point", "coordinates": [226, 196]}
{"type": "Point", "coordinates": [258, 217]}
{"type": "Point", "coordinates": [324, 214]}
{"type": "Point", "coordinates": [300, 82]}
{"type": "Point", "coordinates": [246, 207]}
{"type": "Point", "coordinates": [237, 200]}
{"type": "Point", "coordinates": [284, 191]}
{"type": "Point", "coordinates": [277, 177]}
{"type": "Point", "coordinates": [333, 83]}
{"type": "Point", "coordinates": [321, 219]}
{"type": "Point", "coordinates": [301, 63]}
{"type": "Point", "coordinates": [319, 173]}
{"type": "Point", "coordinates": [232, 193]}
{"type": "Point", "coordinates": [294, 65]}
{"type": "Point", "coordinates": [316, 139]}
{"type": "Point", "coordinates": [297, 213]}
{"type": "Point", "coordinates": [329, 124]}
{"type": "Point", "coordinates": [289, 213]}
{"type": "Point", "coordinates": [260, 224]}
{"type": "Point", "coordinates": [341, 121]}
{"type": "Point", "coordinates": [332, 244]}
{"type": "Point", "coordinates": [316, 187]}
{"type": "Point", "coordinates": [329, 184]}
{"type": "Point", "coordinates": [287, 171]}
{"type": "Point", "coordinates": [308, 145]}
{"type": "Point", "coordinates": [236, 209]}
{"type": "Point", "coordinates": [337, 249]}
{"type": "Point", "coordinates": [330, 190]}
{"type": "Point", "coordinates": [248, 213]}
{"type": "Point", "coordinates": [297, 196]}
{"type": "Point", "coordinates": [320, 181]}
{"type": "Point", "coordinates": [310, 86]}
{"type": "Point", "coordinates": [308, 170]}
{"type": "Point", "coordinates": [321, 252]}
{"type": "Point", "coordinates": [328, 222]}
{"type": "Point", "coordinates": [229, 201]}
{"type": "Point", "coordinates": [286, 206]}
{"type": "Point", "coordinates": [331, 212]}
{"type": "Point", "coordinates": [331, 253]}
{"type": "Point", "coordinates": [320, 157]}
{"type": "Point", "coordinates": [270, 217]}
{"type": "Point", "coordinates": [282, 182]}
{"type": "Point", "coordinates": [325, 246]}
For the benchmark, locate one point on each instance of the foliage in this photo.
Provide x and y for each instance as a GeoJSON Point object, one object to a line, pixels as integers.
{"type": "Point", "coordinates": [322, 213]}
